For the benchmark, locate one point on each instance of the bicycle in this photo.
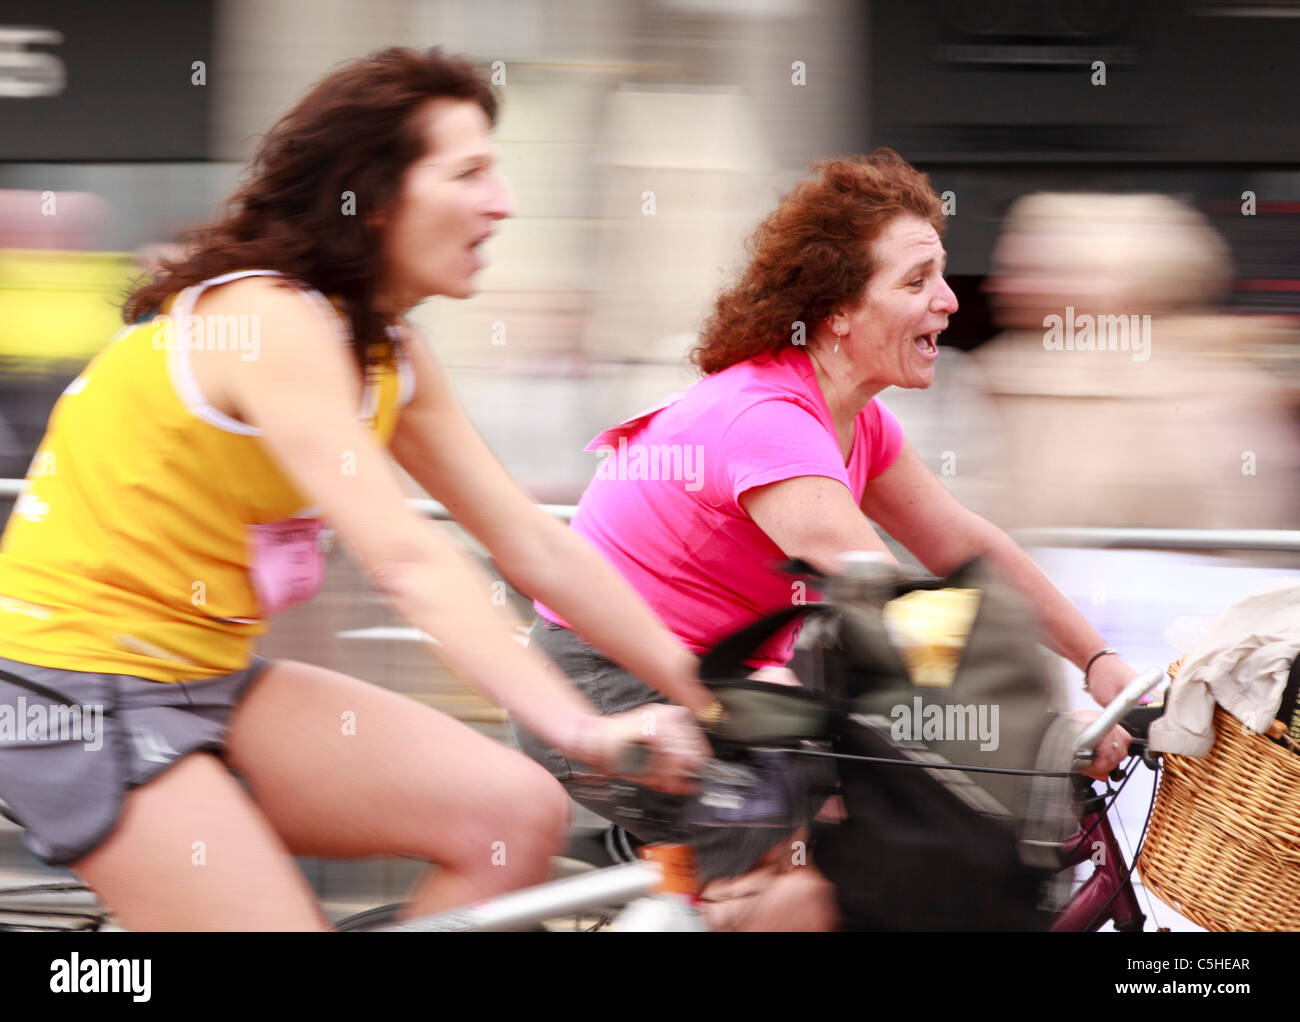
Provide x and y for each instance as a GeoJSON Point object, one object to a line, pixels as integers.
{"type": "Point", "coordinates": [638, 887]}
{"type": "Point", "coordinates": [1108, 895]}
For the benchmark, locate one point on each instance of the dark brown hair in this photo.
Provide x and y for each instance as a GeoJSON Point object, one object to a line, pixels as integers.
{"type": "Point", "coordinates": [813, 253]}
{"type": "Point", "coordinates": [353, 132]}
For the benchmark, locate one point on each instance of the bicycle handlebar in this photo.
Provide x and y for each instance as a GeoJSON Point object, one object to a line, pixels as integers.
{"type": "Point", "coordinates": [1115, 712]}
{"type": "Point", "coordinates": [634, 757]}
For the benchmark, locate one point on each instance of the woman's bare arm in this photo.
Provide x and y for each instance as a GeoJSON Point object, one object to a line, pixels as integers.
{"type": "Point", "coordinates": [438, 445]}
{"type": "Point", "coordinates": [302, 392]}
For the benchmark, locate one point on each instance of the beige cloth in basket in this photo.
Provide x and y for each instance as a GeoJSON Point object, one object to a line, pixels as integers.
{"type": "Point", "coordinates": [1241, 662]}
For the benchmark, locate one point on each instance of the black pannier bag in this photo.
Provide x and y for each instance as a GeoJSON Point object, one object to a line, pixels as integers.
{"type": "Point", "coordinates": [934, 673]}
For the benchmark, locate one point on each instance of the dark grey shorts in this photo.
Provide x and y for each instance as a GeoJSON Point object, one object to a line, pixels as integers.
{"type": "Point", "coordinates": [648, 814]}
{"type": "Point", "coordinates": [73, 743]}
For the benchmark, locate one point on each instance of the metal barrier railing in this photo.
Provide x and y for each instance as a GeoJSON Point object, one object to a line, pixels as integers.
{"type": "Point", "coordinates": [431, 508]}
{"type": "Point", "coordinates": [438, 513]}
{"type": "Point", "coordinates": [1280, 540]}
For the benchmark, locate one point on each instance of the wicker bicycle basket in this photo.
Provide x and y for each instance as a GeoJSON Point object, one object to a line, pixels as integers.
{"type": "Point", "coordinates": [1223, 847]}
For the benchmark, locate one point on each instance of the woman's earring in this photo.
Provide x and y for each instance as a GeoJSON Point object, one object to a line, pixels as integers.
{"type": "Point", "coordinates": [838, 338]}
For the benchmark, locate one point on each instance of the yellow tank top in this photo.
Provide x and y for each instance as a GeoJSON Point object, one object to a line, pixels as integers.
{"type": "Point", "coordinates": [154, 534]}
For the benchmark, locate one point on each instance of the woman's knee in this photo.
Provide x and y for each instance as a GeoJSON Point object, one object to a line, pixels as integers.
{"type": "Point", "coordinates": [540, 805]}
{"type": "Point", "coordinates": [802, 899]}
{"type": "Point", "coordinates": [519, 818]}
{"type": "Point", "coordinates": [797, 900]}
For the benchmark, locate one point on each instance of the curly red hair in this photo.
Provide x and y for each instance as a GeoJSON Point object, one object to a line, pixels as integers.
{"type": "Point", "coordinates": [813, 253]}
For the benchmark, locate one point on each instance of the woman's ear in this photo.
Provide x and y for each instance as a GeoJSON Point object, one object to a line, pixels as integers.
{"type": "Point", "coordinates": [838, 322]}
{"type": "Point", "coordinates": [379, 217]}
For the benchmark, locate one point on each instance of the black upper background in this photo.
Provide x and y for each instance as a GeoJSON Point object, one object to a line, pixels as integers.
{"type": "Point", "coordinates": [127, 96]}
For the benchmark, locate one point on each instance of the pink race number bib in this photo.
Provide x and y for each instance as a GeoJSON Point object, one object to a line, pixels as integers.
{"type": "Point", "coordinates": [287, 565]}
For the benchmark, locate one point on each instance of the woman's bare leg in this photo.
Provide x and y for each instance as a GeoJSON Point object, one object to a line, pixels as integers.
{"type": "Point", "coordinates": [344, 768]}
{"type": "Point", "coordinates": [765, 900]}
{"type": "Point", "coordinates": [191, 851]}
{"type": "Point", "coordinates": [784, 891]}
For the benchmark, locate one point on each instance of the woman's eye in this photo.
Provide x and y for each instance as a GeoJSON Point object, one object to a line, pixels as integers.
{"type": "Point", "coordinates": [917, 283]}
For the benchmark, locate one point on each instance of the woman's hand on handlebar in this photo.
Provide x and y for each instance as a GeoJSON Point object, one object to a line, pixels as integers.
{"type": "Point", "coordinates": [676, 746]}
{"type": "Point", "coordinates": [1110, 752]}
{"type": "Point", "coordinates": [1106, 680]}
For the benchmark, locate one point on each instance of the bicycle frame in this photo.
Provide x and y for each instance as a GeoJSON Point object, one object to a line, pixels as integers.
{"type": "Point", "coordinates": [601, 888]}
{"type": "Point", "coordinates": [1108, 893]}
{"type": "Point", "coordinates": [56, 906]}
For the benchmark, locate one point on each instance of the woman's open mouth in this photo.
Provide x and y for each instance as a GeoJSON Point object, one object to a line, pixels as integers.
{"type": "Point", "coordinates": [928, 346]}
{"type": "Point", "coordinates": [475, 250]}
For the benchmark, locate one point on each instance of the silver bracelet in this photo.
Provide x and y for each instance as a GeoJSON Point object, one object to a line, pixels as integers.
{"type": "Point", "coordinates": [1093, 661]}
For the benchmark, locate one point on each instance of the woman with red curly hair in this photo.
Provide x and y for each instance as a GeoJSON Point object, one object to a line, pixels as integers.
{"type": "Point", "coordinates": [783, 450]}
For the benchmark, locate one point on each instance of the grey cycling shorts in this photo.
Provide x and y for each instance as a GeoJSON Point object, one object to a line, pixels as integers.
{"type": "Point", "coordinates": [73, 743]}
{"type": "Point", "coordinates": [727, 851]}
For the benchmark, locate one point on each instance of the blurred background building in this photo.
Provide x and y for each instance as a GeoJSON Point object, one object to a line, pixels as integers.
{"type": "Point", "coordinates": [643, 139]}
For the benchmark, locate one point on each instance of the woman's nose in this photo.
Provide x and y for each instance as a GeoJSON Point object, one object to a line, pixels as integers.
{"type": "Point", "coordinates": [946, 301]}
{"type": "Point", "coordinates": [502, 203]}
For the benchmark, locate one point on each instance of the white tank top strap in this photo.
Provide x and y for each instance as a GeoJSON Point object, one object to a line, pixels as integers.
{"type": "Point", "coordinates": [185, 301]}
{"type": "Point", "coordinates": [181, 371]}
{"type": "Point", "coordinates": [405, 374]}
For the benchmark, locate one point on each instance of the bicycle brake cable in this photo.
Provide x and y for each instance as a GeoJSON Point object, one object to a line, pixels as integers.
{"type": "Point", "coordinates": [1108, 799]}
{"type": "Point", "coordinates": [922, 764]}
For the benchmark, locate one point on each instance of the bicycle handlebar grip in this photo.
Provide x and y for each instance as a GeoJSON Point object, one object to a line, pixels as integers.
{"type": "Point", "coordinates": [1115, 712]}
{"type": "Point", "coordinates": [632, 759]}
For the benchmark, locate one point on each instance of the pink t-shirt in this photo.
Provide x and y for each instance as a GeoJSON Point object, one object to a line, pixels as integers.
{"type": "Point", "coordinates": [664, 507]}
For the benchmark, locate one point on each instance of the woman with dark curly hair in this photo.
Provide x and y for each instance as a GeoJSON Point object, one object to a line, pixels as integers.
{"type": "Point", "coordinates": [177, 502]}
{"type": "Point", "coordinates": [784, 450]}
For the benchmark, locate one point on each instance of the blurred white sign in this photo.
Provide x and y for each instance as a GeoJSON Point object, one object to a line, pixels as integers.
{"type": "Point", "coordinates": [25, 75]}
